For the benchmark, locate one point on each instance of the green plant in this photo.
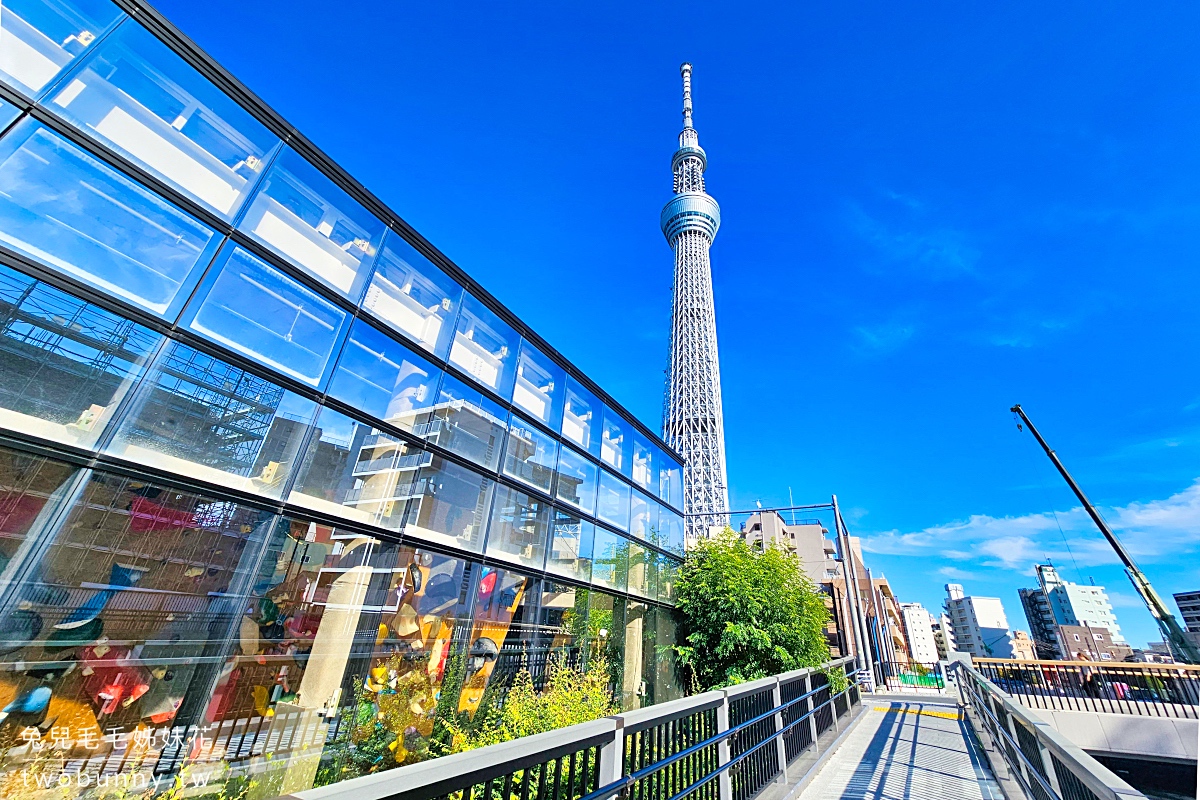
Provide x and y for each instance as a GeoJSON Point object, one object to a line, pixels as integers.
{"type": "Point", "coordinates": [569, 697]}
{"type": "Point", "coordinates": [744, 613]}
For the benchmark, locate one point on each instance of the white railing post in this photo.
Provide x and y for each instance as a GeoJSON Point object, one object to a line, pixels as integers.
{"type": "Point", "coordinates": [724, 780]}
{"type": "Point", "coordinates": [780, 749]}
{"type": "Point", "coordinates": [811, 709]}
{"type": "Point", "coordinates": [612, 756]}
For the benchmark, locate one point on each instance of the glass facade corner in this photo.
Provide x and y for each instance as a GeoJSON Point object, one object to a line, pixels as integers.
{"type": "Point", "coordinates": [262, 461]}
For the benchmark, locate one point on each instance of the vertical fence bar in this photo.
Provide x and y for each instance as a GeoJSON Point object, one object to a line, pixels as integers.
{"type": "Point", "coordinates": [724, 781]}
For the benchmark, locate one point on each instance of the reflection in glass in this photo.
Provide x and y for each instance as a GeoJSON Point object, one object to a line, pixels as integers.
{"type": "Point", "coordinates": [539, 387]}
{"type": "Point", "coordinates": [669, 486]}
{"type": "Point", "coordinates": [305, 217]}
{"type": "Point", "coordinates": [135, 95]}
{"type": "Point", "coordinates": [668, 572]}
{"type": "Point", "coordinates": [198, 416]}
{"type": "Point", "coordinates": [633, 686]}
{"type": "Point", "coordinates": [613, 506]}
{"type": "Point", "coordinates": [644, 523]}
{"type": "Point", "coordinates": [466, 422]}
{"type": "Point", "coordinates": [519, 528]}
{"type": "Point", "coordinates": [581, 417]}
{"type": "Point", "coordinates": [484, 346]}
{"type": "Point", "coordinates": [500, 636]}
{"type": "Point", "coordinates": [645, 472]}
{"type": "Point", "coordinates": [256, 310]}
{"type": "Point", "coordinates": [8, 112]}
{"type": "Point", "coordinates": [671, 531]}
{"type": "Point", "coordinates": [64, 363]}
{"type": "Point", "coordinates": [562, 630]}
{"type": "Point", "coordinates": [577, 480]}
{"type": "Point", "coordinates": [413, 296]}
{"type": "Point", "coordinates": [381, 377]}
{"type": "Point", "coordinates": [356, 471]}
{"type": "Point", "coordinates": [68, 210]}
{"type": "Point", "coordinates": [610, 560]}
{"type": "Point", "coordinates": [449, 505]}
{"type": "Point", "coordinates": [571, 548]}
{"type": "Point", "coordinates": [40, 38]}
{"type": "Point", "coordinates": [641, 570]}
{"type": "Point", "coordinates": [666, 684]}
{"type": "Point", "coordinates": [530, 454]}
{"type": "Point", "coordinates": [615, 444]}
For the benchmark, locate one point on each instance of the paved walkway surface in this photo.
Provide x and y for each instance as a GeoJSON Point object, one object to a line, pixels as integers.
{"type": "Point", "coordinates": [902, 750]}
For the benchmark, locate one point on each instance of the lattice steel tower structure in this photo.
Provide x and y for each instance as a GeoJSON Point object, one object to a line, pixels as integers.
{"type": "Point", "coordinates": [692, 420]}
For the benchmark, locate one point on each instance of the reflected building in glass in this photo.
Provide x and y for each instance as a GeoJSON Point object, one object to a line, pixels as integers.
{"type": "Point", "coordinates": [268, 460]}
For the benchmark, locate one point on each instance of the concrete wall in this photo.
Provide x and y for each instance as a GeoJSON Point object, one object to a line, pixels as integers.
{"type": "Point", "coordinates": [1127, 735]}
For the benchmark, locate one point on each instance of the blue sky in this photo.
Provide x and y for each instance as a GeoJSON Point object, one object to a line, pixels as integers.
{"type": "Point", "coordinates": [928, 214]}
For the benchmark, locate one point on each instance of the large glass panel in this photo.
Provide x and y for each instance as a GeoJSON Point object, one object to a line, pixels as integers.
{"type": "Point", "coordinates": [666, 684]}
{"type": "Point", "coordinates": [633, 685]}
{"type": "Point", "coordinates": [256, 310]}
{"type": "Point", "coordinates": [668, 572]}
{"type": "Point", "coordinates": [519, 528]}
{"type": "Point", "coordinates": [562, 629]}
{"type": "Point", "coordinates": [539, 387]}
{"type": "Point", "coordinates": [450, 504]}
{"type": "Point", "coordinates": [484, 346]}
{"type": "Point", "coordinates": [39, 38]}
{"type": "Point", "coordinates": [671, 530]}
{"type": "Point", "coordinates": [75, 214]}
{"type": "Point", "coordinates": [606, 644]}
{"type": "Point", "coordinates": [670, 480]}
{"type": "Point", "coordinates": [613, 505]}
{"type": "Point", "coordinates": [64, 363]}
{"type": "Point", "coordinates": [581, 417]}
{"type": "Point", "coordinates": [571, 548]}
{"type": "Point", "coordinates": [610, 560]}
{"type": "Point", "coordinates": [645, 471]}
{"type": "Point", "coordinates": [530, 455]}
{"type": "Point", "coordinates": [198, 416]}
{"type": "Point", "coordinates": [615, 443]}
{"type": "Point", "coordinates": [381, 377]}
{"type": "Point", "coordinates": [413, 296]}
{"type": "Point", "coordinates": [128, 605]}
{"type": "Point", "coordinates": [354, 470]}
{"type": "Point", "coordinates": [8, 112]}
{"type": "Point", "coordinates": [641, 571]}
{"type": "Point", "coordinates": [501, 636]}
{"type": "Point", "coordinates": [134, 94]}
{"type": "Point", "coordinates": [644, 523]}
{"type": "Point", "coordinates": [305, 217]}
{"type": "Point", "coordinates": [577, 480]}
{"type": "Point", "coordinates": [32, 490]}
{"type": "Point", "coordinates": [467, 422]}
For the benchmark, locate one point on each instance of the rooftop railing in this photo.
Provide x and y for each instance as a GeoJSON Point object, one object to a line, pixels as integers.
{"type": "Point", "coordinates": [720, 745]}
{"type": "Point", "coordinates": [1149, 690]}
{"type": "Point", "coordinates": [1042, 763]}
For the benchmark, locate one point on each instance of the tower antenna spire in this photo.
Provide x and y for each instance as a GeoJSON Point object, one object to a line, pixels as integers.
{"type": "Point", "coordinates": [685, 69]}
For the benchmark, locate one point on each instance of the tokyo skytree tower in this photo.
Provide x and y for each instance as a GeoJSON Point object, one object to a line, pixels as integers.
{"type": "Point", "coordinates": [692, 419]}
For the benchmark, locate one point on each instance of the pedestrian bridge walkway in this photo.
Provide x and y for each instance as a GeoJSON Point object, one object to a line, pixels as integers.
{"type": "Point", "coordinates": [902, 750]}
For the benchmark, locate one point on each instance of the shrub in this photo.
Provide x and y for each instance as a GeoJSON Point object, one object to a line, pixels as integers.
{"type": "Point", "coordinates": [744, 613]}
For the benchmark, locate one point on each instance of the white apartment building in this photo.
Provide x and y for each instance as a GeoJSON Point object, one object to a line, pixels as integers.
{"type": "Point", "coordinates": [1077, 604]}
{"type": "Point", "coordinates": [943, 636]}
{"type": "Point", "coordinates": [918, 629]}
{"type": "Point", "coordinates": [980, 625]}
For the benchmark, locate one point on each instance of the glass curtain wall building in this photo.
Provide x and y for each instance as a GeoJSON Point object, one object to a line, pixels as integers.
{"type": "Point", "coordinates": [263, 449]}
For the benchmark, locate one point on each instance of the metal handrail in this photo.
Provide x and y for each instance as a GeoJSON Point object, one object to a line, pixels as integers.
{"type": "Point", "coordinates": [616, 786]}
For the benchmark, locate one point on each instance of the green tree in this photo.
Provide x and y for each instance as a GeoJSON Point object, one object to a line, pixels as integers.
{"type": "Point", "coordinates": [744, 613]}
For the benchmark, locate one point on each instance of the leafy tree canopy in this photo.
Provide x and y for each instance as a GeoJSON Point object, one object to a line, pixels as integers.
{"type": "Point", "coordinates": [744, 613]}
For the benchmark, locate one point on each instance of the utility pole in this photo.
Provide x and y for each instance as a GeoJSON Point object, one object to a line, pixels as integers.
{"type": "Point", "coordinates": [852, 591]}
{"type": "Point", "coordinates": [1181, 647]}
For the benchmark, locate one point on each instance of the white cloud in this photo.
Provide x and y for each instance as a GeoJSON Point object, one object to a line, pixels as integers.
{"type": "Point", "coordinates": [1159, 529]}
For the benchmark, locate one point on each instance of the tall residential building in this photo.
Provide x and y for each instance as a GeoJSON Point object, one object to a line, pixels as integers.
{"type": "Point", "coordinates": [1189, 609]}
{"type": "Point", "coordinates": [1043, 628]}
{"type": "Point", "coordinates": [980, 625]}
{"type": "Point", "coordinates": [806, 538]}
{"type": "Point", "coordinates": [693, 423]}
{"type": "Point", "coordinates": [1077, 604]}
{"type": "Point", "coordinates": [943, 636]}
{"type": "Point", "coordinates": [918, 627]}
{"type": "Point", "coordinates": [262, 443]}
{"type": "Point", "coordinates": [1023, 646]}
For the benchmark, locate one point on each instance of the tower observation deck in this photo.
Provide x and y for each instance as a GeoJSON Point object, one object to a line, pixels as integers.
{"type": "Point", "coordinates": [692, 419]}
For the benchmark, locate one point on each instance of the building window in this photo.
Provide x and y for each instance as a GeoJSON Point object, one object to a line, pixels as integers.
{"type": "Point", "coordinates": [80, 217]}
{"type": "Point", "coordinates": [303, 216]}
{"type": "Point", "coordinates": [613, 505]}
{"type": "Point", "coordinates": [40, 38]}
{"type": "Point", "coordinates": [571, 549]}
{"type": "Point", "coordinates": [539, 387]}
{"type": "Point", "coordinates": [530, 455]}
{"type": "Point", "coordinates": [581, 418]}
{"type": "Point", "coordinates": [577, 480]}
{"type": "Point", "coordinates": [380, 376]}
{"type": "Point", "coordinates": [467, 422]}
{"type": "Point", "coordinates": [519, 528]}
{"type": "Point", "coordinates": [413, 296]}
{"type": "Point", "coordinates": [484, 347]}
{"type": "Point", "coordinates": [144, 101]}
{"type": "Point", "coordinates": [615, 445]}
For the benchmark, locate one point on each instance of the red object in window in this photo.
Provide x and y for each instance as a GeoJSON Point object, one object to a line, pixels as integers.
{"type": "Point", "coordinates": [146, 515]}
